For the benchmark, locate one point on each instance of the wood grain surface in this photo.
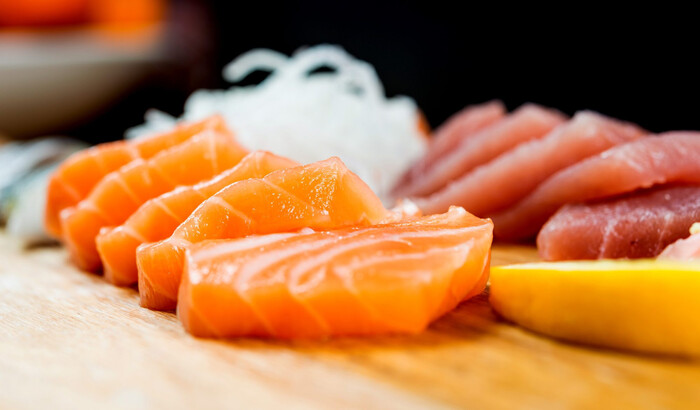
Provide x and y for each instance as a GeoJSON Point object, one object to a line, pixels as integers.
{"type": "Point", "coordinates": [70, 340]}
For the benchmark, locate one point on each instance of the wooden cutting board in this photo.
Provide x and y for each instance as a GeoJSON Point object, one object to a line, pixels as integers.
{"type": "Point", "coordinates": [70, 340]}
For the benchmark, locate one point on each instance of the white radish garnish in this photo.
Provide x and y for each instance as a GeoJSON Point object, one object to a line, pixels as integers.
{"type": "Point", "coordinates": [310, 116]}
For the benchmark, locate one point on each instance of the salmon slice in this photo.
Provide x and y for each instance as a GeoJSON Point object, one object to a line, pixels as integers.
{"type": "Point", "coordinates": [158, 218]}
{"type": "Point", "coordinates": [121, 192]}
{"type": "Point", "coordinates": [669, 157]}
{"type": "Point", "coordinates": [527, 123]}
{"type": "Point", "coordinates": [504, 181]}
{"type": "Point", "coordinates": [322, 195]}
{"type": "Point", "coordinates": [636, 225]}
{"type": "Point", "coordinates": [78, 175]}
{"type": "Point", "coordinates": [388, 278]}
{"type": "Point", "coordinates": [456, 129]}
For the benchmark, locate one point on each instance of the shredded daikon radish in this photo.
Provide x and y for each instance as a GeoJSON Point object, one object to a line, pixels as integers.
{"type": "Point", "coordinates": [312, 116]}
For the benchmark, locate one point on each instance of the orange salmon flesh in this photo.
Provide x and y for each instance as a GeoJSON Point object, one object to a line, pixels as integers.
{"type": "Point", "coordinates": [371, 280]}
{"type": "Point", "coordinates": [322, 195]}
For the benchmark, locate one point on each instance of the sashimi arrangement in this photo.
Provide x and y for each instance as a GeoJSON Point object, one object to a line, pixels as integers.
{"type": "Point", "coordinates": [322, 195]}
{"type": "Point", "coordinates": [670, 158]}
{"type": "Point", "coordinates": [580, 183]}
{"type": "Point", "coordinates": [591, 187]}
{"type": "Point", "coordinates": [244, 242]}
{"type": "Point", "coordinates": [120, 193]}
{"type": "Point", "coordinates": [384, 278]}
{"type": "Point", "coordinates": [158, 218]}
{"type": "Point", "coordinates": [79, 174]}
{"type": "Point", "coordinates": [527, 123]}
{"type": "Point", "coordinates": [278, 248]}
{"type": "Point", "coordinates": [263, 246]}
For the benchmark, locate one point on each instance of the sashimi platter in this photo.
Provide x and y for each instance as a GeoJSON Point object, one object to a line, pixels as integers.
{"type": "Point", "coordinates": [311, 216]}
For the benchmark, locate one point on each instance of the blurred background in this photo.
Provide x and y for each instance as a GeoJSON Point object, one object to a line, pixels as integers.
{"type": "Point", "coordinates": [91, 68]}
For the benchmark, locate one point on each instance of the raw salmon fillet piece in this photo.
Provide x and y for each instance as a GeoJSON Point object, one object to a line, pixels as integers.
{"type": "Point", "coordinates": [684, 249]}
{"type": "Point", "coordinates": [499, 184]}
{"type": "Point", "coordinates": [78, 175]}
{"type": "Point", "coordinates": [157, 218]}
{"type": "Point", "coordinates": [457, 128]}
{"type": "Point", "coordinates": [322, 195]}
{"type": "Point", "coordinates": [636, 225]}
{"type": "Point", "coordinates": [381, 279]}
{"type": "Point", "coordinates": [669, 157]}
{"type": "Point", "coordinates": [524, 124]}
{"type": "Point", "coordinates": [121, 192]}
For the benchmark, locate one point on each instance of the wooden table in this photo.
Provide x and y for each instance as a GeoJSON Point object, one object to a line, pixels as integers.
{"type": "Point", "coordinates": [70, 340]}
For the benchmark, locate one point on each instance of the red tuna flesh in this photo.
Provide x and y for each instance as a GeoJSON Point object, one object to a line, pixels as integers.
{"type": "Point", "coordinates": [448, 136]}
{"type": "Point", "coordinates": [524, 124]}
{"type": "Point", "coordinates": [669, 157]}
{"type": "Point", "coordinates": [501, 183]}
{"type": "Point", "coordinates": [637, 225]}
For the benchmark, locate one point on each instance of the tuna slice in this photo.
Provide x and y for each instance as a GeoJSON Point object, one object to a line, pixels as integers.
{"type": "Point", "coordinates": [526, 123]}
{"type": "Point", "coordinates": [501, 183]}
{"type": "Point", "coordinates": [670, 157]}
{"type": "Point", "coordinates": [456, 129]}
{"type": "Point", "coordinates": [684, 249]}
{"type": "Point", "coordinates": [371, 280]}
{"type": "Point", "coordinates": [636, 225]}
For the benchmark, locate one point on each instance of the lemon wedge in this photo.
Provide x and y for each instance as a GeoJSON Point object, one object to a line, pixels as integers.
{"type": "Point", "coordinates": [645, 305]}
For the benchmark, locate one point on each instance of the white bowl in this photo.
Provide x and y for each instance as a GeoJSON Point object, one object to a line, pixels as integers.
{"type": "Point", "coordinates": [53, 79]}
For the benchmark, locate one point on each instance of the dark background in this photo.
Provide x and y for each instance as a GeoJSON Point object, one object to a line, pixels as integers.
{"type": "Point", "coordinates": [447, 55]}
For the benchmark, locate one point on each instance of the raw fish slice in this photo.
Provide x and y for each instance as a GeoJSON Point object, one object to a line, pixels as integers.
{"type": "Point", "coordinates": [159, 217]}
{"type": "Point", "coordinates": [78, 175]}
{"type": "Point", "coordinates": [121, 192]}
{"type": "Point", "coordinates": [637, 225]}
{"type": "Point", "coordinates": [391, 278]}
{"type": "Point", "coordinates": [684, 249]}
{"type": "Point", "coordinates": [454, 131]}
{"type": "Point", "coordinates": [322, 195]}
{"type": "Point", "coordinates": [504, 181]}
{"type": "Point", "coordinates": [526, 123]}
{"type": "Point", "coordinates": [669, 157]}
